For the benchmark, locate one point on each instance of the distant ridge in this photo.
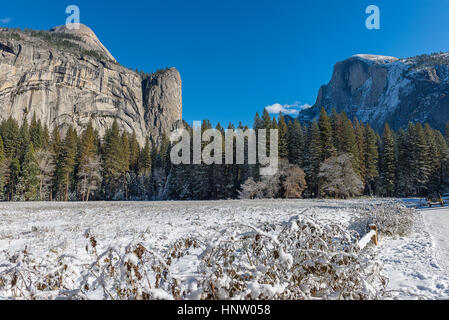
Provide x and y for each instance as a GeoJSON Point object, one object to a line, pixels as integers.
{"type": "Point", "coordinates": [381, 89]}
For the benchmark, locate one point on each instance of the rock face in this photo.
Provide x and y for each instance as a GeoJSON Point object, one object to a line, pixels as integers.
{"type": "Point", "coordinates": [78, 81]}
{"type": "Point", "coordinates": [162, 102]}
{"type": "Point", "coordinates": [88, 39]}
{"type": "Point", "coordinates": [379, 90]}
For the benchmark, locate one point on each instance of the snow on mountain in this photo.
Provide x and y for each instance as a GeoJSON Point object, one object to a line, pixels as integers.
{"type": "Point", "coordinates": [376, 58]}
{"type": "Point", "coordinates": [380, 89]}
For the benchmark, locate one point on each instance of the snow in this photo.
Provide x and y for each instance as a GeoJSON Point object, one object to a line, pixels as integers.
{"type": "Point", "coordinates": [396, 82]}
{"type": "Point", "coordinates": [366, 239]}
{"type": "Point", "coordinates": [376, 58]}
{"type": "Point", "coordinates": [257, 289]}
{"type": "Point", "coordinates": [161, 294]}
{"type": "Point", "coordinates": [437, 222]}
{"type": "Point", "coordinates": [389, 97]}
{"type": "Point", "coordinates": [416, 265]}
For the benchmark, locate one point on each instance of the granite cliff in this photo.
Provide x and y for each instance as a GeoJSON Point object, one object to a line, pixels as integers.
{"type": "Point", "coordinates": [381, 89]}
{"type": "Point", "coordinates": [67, 77]}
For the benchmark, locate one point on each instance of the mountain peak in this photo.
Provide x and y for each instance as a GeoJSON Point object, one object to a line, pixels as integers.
{"type": "Point", "coordinates": [375, 58]}
{"type": "Point", "coordinates": [382, 89]}
{"type": "Point", "coordinates": [89, 39]}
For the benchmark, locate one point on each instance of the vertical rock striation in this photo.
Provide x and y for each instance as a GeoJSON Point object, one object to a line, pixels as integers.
{"type": "Point", "coordinates": [380, 89]}
{"type": "Point", "coordinates": [67, 77]}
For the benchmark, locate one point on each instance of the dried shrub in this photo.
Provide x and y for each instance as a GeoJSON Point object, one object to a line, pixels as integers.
{"type": "Point", "coordinates": [392, 218]}
{"type": "Point", "coordinates": [305, 260]}
{"type": "Point", "coordinates": [299, 259]}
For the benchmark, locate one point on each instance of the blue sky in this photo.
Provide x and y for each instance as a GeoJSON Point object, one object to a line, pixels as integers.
{"type": "Point", "coordinates": [237, 57]}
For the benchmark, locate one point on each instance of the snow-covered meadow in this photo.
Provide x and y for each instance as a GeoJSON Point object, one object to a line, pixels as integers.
{"type": "Point", "coordinates": [192, 250]}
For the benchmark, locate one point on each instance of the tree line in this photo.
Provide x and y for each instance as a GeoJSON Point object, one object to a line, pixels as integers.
{"type": "Point", "coordinates": [330, 157]}
{"type": "Point", "coordinates": [36, 164]}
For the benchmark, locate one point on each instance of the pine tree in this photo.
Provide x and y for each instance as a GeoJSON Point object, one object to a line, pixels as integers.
{"type": "Point", "coordinates": [359, 130]}
{"type": "Point", "coordinates": [29, 181]}
{"type": "Point", "coordinates": [443, 153]}
{"type": "Point", "coordinates": [202, 179]}
{"type": "Point", "coordinates": [337, 130]}
{"type": "Point", "coordinates": [46, 138]}
{"type": "Point", "coordinates": [24, 138]}
{"type": "Point", "coordinates": [98, 142]}
{"type": "Point", "coordinates": [274, 124]}
{"type": "Point", "coordinates": [411, 162]}
{"type": "Point", "coordinates": [36, 133]}
{"type": "Point", "coordinates": [421, 162]}
{"type": "Point", "coordinates": [312, 160]}
{"type": "Point", "coordinates": [11, 139]}
{"type": "Point", "coordinates": [13, 179]}
{"type": "Point", "coordinates": [89, 164]}
{"type": "Point", "coordinates": [267, 125]}
{"type": "Point", "coordinates": [388, 163]}
{"type": "Point", "coordinates": [161, 165]}
{"type": "Point", "coordinates": [266, 119]}
{"type": "Point", "coordinates": [45, 161]}
{"type": "Point", "coordinates": [164, 152]}
{"type": "Point", "coordinates": [283, 137]}
{"type": "Point", "coordinates": [326, 136]}
{"type": "Point", "coordinates": [114, 167]}
{"type": "Point", "coordinates": [434, 159]}
{"type": "Point", "coordinates": [219, 171]}
{"type": "Point", "coordinates": [87, 145]}
{"type": "Point", "coordinates": [404, 182]}
{"type": "Point", "coordinates": [2, 150]}
{"type": "Point", "coordinates": [125, 159]}
{"type": "Point", "coordinates": [125, 151]}
{"type": "Point", "coordinates": [296, 143]}
{"type": "Point", "coordinates": [245, 168]}
{"type": "Point", "coordinates": [348, 142]}
{"type": "Point", "coordinates": [179, 180]}
{"type": "Point", "coordinates": [257, 125]}
{"type": "Point", "coordinates": [371, 158]}
{"type": "Point", "coordinates": [55, 149]}
{"type": "Point", "coordinates": [232, 171]}
{"type": "Point", "coordinates": [134, 150]}
{"type": "Point", "coordinates": [55, 144]}
{"type": "Point", "coordinates": [3, 169]}
{"type": "Point", "coordinates": [66, 164]}
{"type": "Point", "coordinates": [258, 122]}
{"type": "Point", "coordinates": [145, 159]}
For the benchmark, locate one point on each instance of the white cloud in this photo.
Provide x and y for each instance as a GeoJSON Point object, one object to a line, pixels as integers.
{"type": "Point", "coordinates": [287, 109]}
{"type": "Point", "coordinates": [5, 20]}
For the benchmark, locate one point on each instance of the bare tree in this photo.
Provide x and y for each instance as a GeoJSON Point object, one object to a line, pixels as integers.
{"type": "Point", "coordinates": [252, 189]}
{"type": "Point", "coordinates": [46, 164]}
{"type": "Point", "coordinates": [294, 182]}
{"type": "Point", "coordinates": [89, 177]}
{"type": "Point", "coordinates": [288, 182]}
{"type": "Point", "coordinates": [338, 178]}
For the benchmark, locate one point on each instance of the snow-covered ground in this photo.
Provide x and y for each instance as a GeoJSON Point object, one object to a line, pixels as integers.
{"type": "Point", "coordinates": [415, 265]}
